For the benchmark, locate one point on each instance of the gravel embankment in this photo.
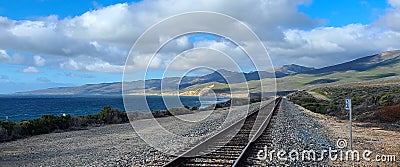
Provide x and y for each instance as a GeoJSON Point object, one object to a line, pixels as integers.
{"type": "Point", "coordinates": [118, 145]}
{"type": "Point", "coordinates": [292, 129]}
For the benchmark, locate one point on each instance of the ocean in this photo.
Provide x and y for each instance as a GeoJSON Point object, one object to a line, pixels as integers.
{"type": "Point", "coordinates": [27, 107]}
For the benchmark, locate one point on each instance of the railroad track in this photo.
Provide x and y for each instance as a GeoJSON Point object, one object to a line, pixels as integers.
{"type": "Point", "coordinates": [262, 139]}
{"type": "Point", "coordinates": [215, 151]}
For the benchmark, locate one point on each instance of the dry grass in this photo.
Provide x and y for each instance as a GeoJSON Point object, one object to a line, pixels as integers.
{"type": "Point", "coordinates": [388, 113]}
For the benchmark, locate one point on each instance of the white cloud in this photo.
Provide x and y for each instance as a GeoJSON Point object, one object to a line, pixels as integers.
{"type": "Point", "coordinates": [99, 40]}
{"type": "Point", "coordinates": [91, 64]}
{"type": "Point", "coordinates": [4, 55]}
{"type": "Point", "coordinates": [108, 33]}
{"type": "Point", "coordinates": [13, 59]}
{"type": "Point", "coordinates": [155, 62]}
{"type": "Point", "coordinates": [30, 69]}
{"type": "Point", "coordinates": [327, 45]}
{"type": "Point", "coordinates": [183, 42]}
{"type": "Point", "coordinates": [104, 67]}
{"type": "Point", "coordinates": [95, 44]}
{"type": "Point", "coordinates": [39, 61]}
{"type": "Point", "coordinates": [390, 19]}
{"type": "Point", "coordinates": [70, 65]}
{"type": "Point", "coordinates": [394, 3]}
{"type": "Point", "coordinates": [204, 57]}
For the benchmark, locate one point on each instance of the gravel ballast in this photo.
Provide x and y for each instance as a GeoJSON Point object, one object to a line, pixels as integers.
{"type": "Point", "coordinates": [292, 129]}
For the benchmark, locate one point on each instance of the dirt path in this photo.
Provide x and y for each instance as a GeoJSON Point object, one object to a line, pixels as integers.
{"type": "Point", "coordinates": [319, 96]}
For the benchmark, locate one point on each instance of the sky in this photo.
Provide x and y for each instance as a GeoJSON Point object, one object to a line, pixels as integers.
{"type": "Point", "coordinates": [53, 43]}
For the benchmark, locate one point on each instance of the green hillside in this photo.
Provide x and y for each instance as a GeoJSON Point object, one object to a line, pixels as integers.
{"type": "Point", "coordinates": [310, 81]}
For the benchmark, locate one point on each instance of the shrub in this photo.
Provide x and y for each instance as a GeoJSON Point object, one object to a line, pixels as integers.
{"type": "Point", "coordinates": [178, 111]}
{"type": "Point", "coordinates": [48, 123]}
{"type": "Point", "coordinates": [224, 104]}
{"type": "Point", "coordinates": [3, 134]}
{"type": "Point", "coordinates": [358, 100]}
{"type": "Point", "coordinates": [309, 102]}
{"type": "Point", "coordinates": [10, 130]}
{"type": "Point", "coordinates": [8, 126]}
{"type": "Point", "coordinates": [255, 100]}
{"type": "Point", "coordinates": [108, 115]}
{"type": "Point", "coordinates": [386, 99]}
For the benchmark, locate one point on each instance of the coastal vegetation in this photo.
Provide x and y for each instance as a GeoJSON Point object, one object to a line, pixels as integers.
{"type": "Point", "coordinates": [10, 130]}
{"type": "Point", "coordinates": [372, 101]}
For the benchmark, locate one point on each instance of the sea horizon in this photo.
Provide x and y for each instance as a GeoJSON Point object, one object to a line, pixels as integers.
{"type": "Point", "coordinates": [27, 107]}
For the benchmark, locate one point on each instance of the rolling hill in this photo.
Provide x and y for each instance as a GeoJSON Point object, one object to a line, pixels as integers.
{"type": "Point", "coordinates": [292, 69]}
{"type": "Point", "coordinates": [383, 66]}
{"type": "Point", "coordinates": [362, 64]}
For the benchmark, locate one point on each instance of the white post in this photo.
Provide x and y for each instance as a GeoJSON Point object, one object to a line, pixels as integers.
{"type": "Point", "coordinates": [351, 131]}
{"type": "Point", "coordinates": [349, 107]}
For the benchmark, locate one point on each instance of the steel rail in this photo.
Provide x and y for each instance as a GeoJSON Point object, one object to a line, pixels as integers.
{"type": "Point", "coordinates": [260, 131]}
{"type": "Point", "coordinates": [180, 160]}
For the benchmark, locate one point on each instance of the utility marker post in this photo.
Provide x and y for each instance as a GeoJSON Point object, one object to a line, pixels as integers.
{"type": "Point", "coordinates": [348, 107]}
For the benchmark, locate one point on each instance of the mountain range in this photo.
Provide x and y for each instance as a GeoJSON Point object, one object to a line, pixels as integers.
{"type": "Point", "coordinates": [385, 65]}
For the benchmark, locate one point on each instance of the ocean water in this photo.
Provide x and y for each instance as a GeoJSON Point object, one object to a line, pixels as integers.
{"type": "Point", "coordinates": [17, 107]}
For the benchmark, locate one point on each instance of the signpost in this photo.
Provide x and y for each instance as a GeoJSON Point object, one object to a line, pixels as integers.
{"type": "Point", "coordinates": [348, 107]}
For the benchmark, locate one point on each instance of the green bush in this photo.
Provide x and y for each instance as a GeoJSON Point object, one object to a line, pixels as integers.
{"type": "Point", "coordinates": [48, 123]}
{"type": "Point", "coordinates": [386, 99]}
{"type": "Point", "coordinates": [179, 111]}
{"type": "Point", "coordinates": [309, 102]}
{"type": "Point", "coordinates": [255, 100]}
{"type": "Point", "coordinates": [10, 130]}
{"type": "Point", "coordinates": [113, 116]}
{"type": "Point", "coordinates": [358, 100]}
{"type": "Point", "coordinates": [195, 108]}
{"type": "Point", "coordinates": [8, 126]}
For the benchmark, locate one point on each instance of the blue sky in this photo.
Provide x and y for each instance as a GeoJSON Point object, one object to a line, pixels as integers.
{"type": "Point", "coordinates": [344, 12]}
{"type": "Point", "coordinates": [335, 13]}
{"type": "Point", "coordinates": [51, 43]}
{"type": "Point", "coordinates": [31, 9]}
